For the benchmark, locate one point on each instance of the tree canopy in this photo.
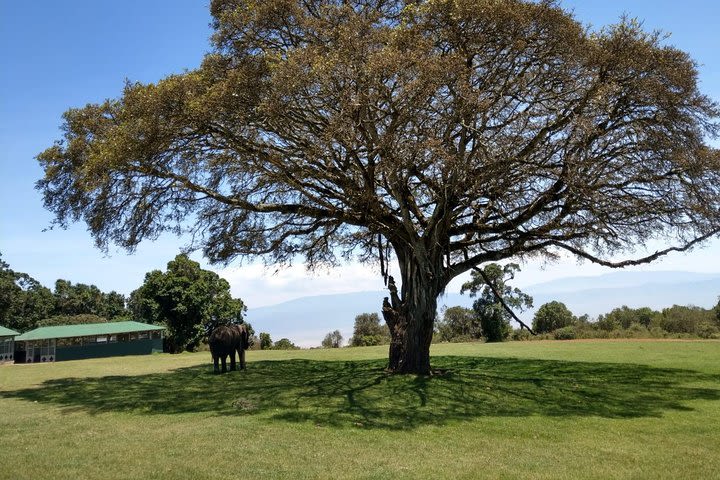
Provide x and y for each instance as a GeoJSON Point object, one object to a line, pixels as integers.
{"type": "Point", "coordinates": [333, 340]}
{"type": "Point", "coordinates": [23, 300]}
{"type": "Point", "coordinates": [448, 133]}
{"type": "Point", "coordinates": [26, 304]}
{"type": "Point", "coordinates": [458, 324]}
{"type": "Point", "coordinates": [368, 331]}
{"type": "Point", "coordinates": [495, 298]}
{"type": "Point", "coordinates": [188, 300]}
{"type": "Point", "coordinates": [551, 316]}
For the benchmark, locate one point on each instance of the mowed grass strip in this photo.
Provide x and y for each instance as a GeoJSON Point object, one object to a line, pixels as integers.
{"type": "Point", "coordinates": [518, 410]}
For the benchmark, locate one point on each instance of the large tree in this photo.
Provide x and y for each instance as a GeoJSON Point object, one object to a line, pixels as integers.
{"type": "Point", "coordinates": [450, 133]}
{"type": "Point", "coordinates": [188, 300]}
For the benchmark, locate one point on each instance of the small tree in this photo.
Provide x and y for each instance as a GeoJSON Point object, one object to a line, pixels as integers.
{"type": "Point", "coordinates": [494, 317]}
{"type": "Point", "coordinates": [284, 344]}
{"type": "Point", "coordinates": [551, 316]}
{"type": "Point", "coordinates": [265, 341]}
{"type": "Point", "coordinates": [332, 340]}
{"type": "Point", "coordinates": [459, 324]}
{"type": "Point", "coordinates": [368, 331]}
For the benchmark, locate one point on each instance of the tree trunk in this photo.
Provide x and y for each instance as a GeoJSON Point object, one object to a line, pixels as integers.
{"type": "Point", "coordinates": [411, 318]}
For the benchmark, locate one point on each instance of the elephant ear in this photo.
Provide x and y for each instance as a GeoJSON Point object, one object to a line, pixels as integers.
{"type": "Point", "coordinates": [245, 338]}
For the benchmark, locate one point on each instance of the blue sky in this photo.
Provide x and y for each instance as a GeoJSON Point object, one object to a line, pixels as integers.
{"type": "Point", "coordinates": [56, 55]}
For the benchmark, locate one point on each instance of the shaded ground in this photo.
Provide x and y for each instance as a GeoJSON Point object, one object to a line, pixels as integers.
{"type": "Point", "coordinates": [362, 394]}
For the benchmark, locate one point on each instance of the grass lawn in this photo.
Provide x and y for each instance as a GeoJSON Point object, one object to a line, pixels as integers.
{"type": "Point", "coordinates": [585, 409]}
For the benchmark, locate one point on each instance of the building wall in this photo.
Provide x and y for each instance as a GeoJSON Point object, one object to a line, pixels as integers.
{"type": "Point", "coordinates": [136, 347]}
{"type": "Point", "coordinates": [99, 350]}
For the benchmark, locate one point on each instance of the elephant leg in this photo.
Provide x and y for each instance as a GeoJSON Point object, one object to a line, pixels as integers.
{"type": "Point", "coordinates": [224, 363]}
{"type": "Point", "coordinates": [241, 354]}
{"type": "Point", "coordinates": [233, 365]}
{"type": "Point", "coordinates": [216, 367]}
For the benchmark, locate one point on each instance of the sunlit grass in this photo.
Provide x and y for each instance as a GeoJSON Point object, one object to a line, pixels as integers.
{"type": "Point", "coordinates": [518, 410]}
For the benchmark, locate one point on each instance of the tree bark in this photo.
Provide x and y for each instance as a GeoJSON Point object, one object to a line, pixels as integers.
{"type": "Point", "coordinates": [410, 318]}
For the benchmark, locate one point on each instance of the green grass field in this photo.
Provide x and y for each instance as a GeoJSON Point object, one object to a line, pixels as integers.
{"type": "Point", "coordinates": [590, 409]}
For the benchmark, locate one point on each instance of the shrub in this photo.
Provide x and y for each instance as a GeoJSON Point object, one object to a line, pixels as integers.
{"type": "Point", "coordinates": [637, 330]}
{"type": "Point", "coordinates": [521, 335]}
{"type": "Point", "coordinates": [679, 319]}
{"type": "Point", "coordinates": [565, 333]}
{"type": "Point", "coordinates": [657, 332]}
{"type": "Point", "coordinates": [706, 329]}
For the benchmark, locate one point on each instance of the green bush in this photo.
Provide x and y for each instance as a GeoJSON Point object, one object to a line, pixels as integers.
{"type": "Point", "coordinates": [706, 329]}
{"type": "Point", "coordinates": [684, 319]}
{"type": "Point", "coordinates": [637, 330]}
{"type": "Point", "coordinates": [657, 332]}
{"type": "Point", "coordinates": [521, 335]}
{"type": "Point", "coordinates": [565, 333]}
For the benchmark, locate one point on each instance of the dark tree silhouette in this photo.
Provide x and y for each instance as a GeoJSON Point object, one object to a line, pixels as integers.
{"type": "Point", "coordinates": [448, 133]}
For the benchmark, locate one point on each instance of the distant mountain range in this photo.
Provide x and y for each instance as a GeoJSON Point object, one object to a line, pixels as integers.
{"type": "Point", "coordinates": [307, 320]}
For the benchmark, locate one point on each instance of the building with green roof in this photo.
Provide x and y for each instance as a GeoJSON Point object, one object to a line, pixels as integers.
{"type": "Point", "coordinates": [90, 340]}
{"type": "Point", "coordinates": [7, 344]}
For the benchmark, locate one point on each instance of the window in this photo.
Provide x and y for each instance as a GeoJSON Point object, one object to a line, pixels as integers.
{"type": "Point", "coordinates": [6, 346]}
{"type": "Point", "coordinates": [47, 348]}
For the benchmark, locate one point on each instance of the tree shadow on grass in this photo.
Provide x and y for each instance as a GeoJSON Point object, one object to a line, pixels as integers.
{"type": "Point", "coordinates": [362, 394]}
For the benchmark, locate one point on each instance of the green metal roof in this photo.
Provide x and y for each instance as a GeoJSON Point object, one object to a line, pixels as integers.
{"type": "Point", "coordinates": [87, 329]}
{"type": "Point", "coordinates": [6, 332]}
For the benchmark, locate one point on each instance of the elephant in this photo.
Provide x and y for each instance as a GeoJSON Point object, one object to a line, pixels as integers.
{"type": "Point", "coordinates": [226, 340]}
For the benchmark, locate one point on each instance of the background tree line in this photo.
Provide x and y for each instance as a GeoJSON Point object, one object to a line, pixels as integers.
{"type": "Point", "coordinates": [553, 320]}
{"type": "Point", "coordinates": [26, 304]}
{"type": "Point", "coordinates": [264, 342]}
{"type": "Point", "coordinates": [367, 331]}
{"type": "Point", "coordinates": [188, 300]}
{"type": "Point", "coordinates": [488, 320]}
